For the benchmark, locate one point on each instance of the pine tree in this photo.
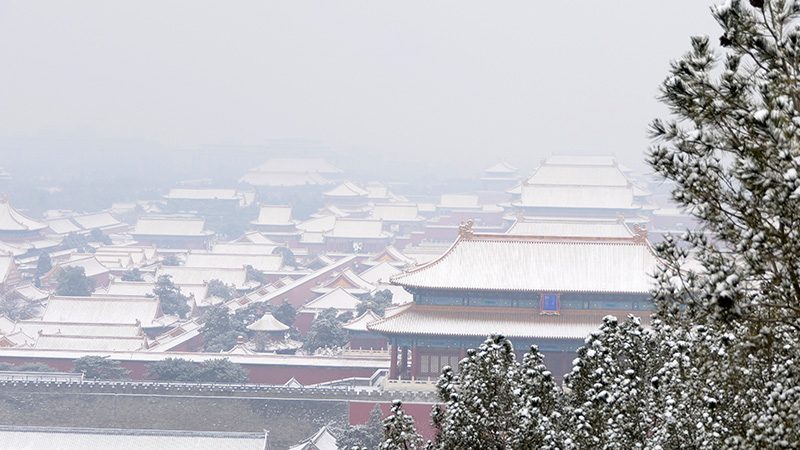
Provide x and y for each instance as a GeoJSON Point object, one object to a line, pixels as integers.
{"type": "Point", "coordinates": [172, 300]}
{"type": "Point", "coordinates": [732, 151]}
{"type": "Point", "coordinates": [399, 430]}
{"type": "Point", "coordinates": [481, 401]}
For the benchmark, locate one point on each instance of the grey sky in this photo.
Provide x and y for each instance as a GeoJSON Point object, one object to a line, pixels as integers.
{"type": "Point", "coordinates": [426, 79]}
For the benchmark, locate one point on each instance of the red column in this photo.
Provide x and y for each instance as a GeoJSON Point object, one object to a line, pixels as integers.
{"type": "Point", "coordinates": [393, 363]}
{"type": "Point", "coordinates": [414, 362]}
{"type": "Point", "coordinates": [404, 361]}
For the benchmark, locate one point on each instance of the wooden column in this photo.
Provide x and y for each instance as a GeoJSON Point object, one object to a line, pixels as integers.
{"type": "Point", "coordinates": [393, 363]}
{"type": "Point", "coordinates": [414, 362]}
{"type": "Point", "coordinates": [404, 361]}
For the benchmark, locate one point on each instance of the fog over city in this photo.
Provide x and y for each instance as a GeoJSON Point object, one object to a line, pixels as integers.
{"type": "Point", "coordinates": [446, 225]}
{"type": "Point", "coordinates": [431, 82]}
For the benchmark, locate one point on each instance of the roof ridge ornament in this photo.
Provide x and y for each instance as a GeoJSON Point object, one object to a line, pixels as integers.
{"type": "Point", "coordinates": [465, 230]}
{"type": "Point", "coordinates": [640, 233]}
{"type": "Point", "coordinates": [3, 198]}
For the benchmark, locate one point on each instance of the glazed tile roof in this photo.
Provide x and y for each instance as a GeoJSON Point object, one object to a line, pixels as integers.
{"type": "Point", "coordinates": [397, 212]}
{"type": "Point", "coordinates": [459, 201]}
{"type": "Point", "coordinates": [12, 220]}
{"type": "Point", "coordinates": [267, 263]}
{"type": "Point", "coordinates": [591, 197]}
{"type": "Point", "coordinates": [586, 160]}
{"type": "Point", "coordinates": [514, 263]}
{"type": "Point", "coordinates": [360, 323]}
{"type": "Point", "coordinates": [267, 323]}
{"type": "Point", "coordinates": [98, 220]}
{"type": "Point", "coordinates": [337, 298]}
{"type": "Point", "coordinates": [358, 229]}
{"type": "Point", "coordinates": [89, 343]}
{"type": "Point", "coordinates": [482, 322]}
{"type": "Point", "coordinates": [202, 194]}
{"type": "Point", "coordinates": [119, 310]}
{"type": "Point", "coordinates": [167, 226]}
{"type": "Point", "coordinates": [200, 275]}
{"type": "Point", "coordinates": [556, 175]}
{"type": "Point", "coordinates": [283, 179]}
{"type": "Point", "coordinates": [346, 189]}
{"type": "Point", "coordinates": [379, 272]}
{"type": "Point", "coordinates": [501, 167]}
{"type": "Point", "coordinates": [569, 227]}
{"type": "Point", "coordinates": [296, 165]}
{"type": "Point", "coordinates": [244, 248]}
{"type": "Point", "coordinates": [275, 215]}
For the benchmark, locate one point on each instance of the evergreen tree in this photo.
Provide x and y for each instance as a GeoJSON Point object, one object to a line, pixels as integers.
{"type": "Point", "coordinates": [221, 330]}
{"type": "Point", "coordinates": [732, 151]}
{"type": "Point", "coordinates": [399, 430]}
{"type": "Point", "coordinates": [43, 265]}
{"type": "Point", "coordinates": [217, 288]}
{"type": "Point", "coordinates": [132, 275]}
{"type": "Point", "coordinates": [72, 281]}
{"type": "Point", "coordinates": [173, 369]}
{"type": "Point", "coordinates": [100, 368]}
{"type": "Point", "coordinates": [481, 402]}
{"type": "Point", "coordinates": [284, 313]}
{"type": "Point", "coordinates": [172, 300]}
{"type": "Point", "coordinates": [326, 332]}
{"type": "Point", "coordinates": [222, 370]}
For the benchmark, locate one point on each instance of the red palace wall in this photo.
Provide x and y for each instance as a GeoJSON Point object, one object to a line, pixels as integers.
{"type": "Point", "coordinates": [421, 412]}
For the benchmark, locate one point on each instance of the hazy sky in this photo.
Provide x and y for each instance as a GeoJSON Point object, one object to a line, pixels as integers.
{"type": "Point", "coordinates": [439, 79]}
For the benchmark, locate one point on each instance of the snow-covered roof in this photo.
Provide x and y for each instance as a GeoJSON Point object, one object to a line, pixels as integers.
{"type": "Point", "coordinates": [397, 212]}
{"type": "Point", "coordinates": [136, 288]}
{"type": "Point", "coordinates": [200, 275]}
{"type": "Point", "coordinates": [481, 322]}
{"type": "Point", "coordinates": [36, 327]}
{"type": "Point", "coordinates": [337, 298]}
{"type": "Point", "coordinates": [312, 237]}
{"type": "Point", "coordinates": [391, 255]}
{"type": "Point", "coordinates": [266, 263]}
{"type": "Point", "coordinates": [379, 272]}
{"type": "Point", "coordinates": [268, 322]}
{"type": "Point", "coordinates": [254, 237]}
{"type": "Point", "coordinates": [274, 215]}
{"type": "Point", "coordinates": [107, 310]}
{"type": "Point", "coordinates": [101, 343]}
{"type": "Point", "coordinates": [501, 167]}
{"type": "Point", "coordinates": [346, 189]}
{"type": "Point", "coordinates": [569, 227]}
{"type": "Point", "coordinates": [585, 160]}
{"type": "Point", "coordinates": [83, 438]}
{"type": "Point", "coordinates": [296, 165]}
{"type": "Point", "coordinates": [459, 201]}
{"type": "Point", "coordinates": [96, 220]}
{"type": "Point", "coordinates": [91, 266]}
{"type": "Point", "coordinates": [168, 226]}
{"type": "Point", "coordinates": [358, 229]}
{"type": "Point", "coordinates": [515, 263]}
{"type": "Point", "coordinates": [244, 248]}
{"type": "Point", "coordinates": [360, 323]}
{"type": "Point", "coordinates": [557, 175]}
{"type": "Point", "coordinates": [318, 225]}
{"type": "Point", "coordinates": [6, 262]}
{"type": "Point", "coordinates": [321, 440]}
{"type": "Point", "coordinates": [30, 292]}
{"type": "Point", "coordinates": [13, 220]}
{"type": "Point", "coordinates": [377, 191]}
{"type": "Point", "coordinates": [588, 197]}
{"type": "Point", "coordinates": [202, 194]}
{"type": "Point", "coordinates": [283, 179]}
{"type": "Point", "coordinates": [62, 226]}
